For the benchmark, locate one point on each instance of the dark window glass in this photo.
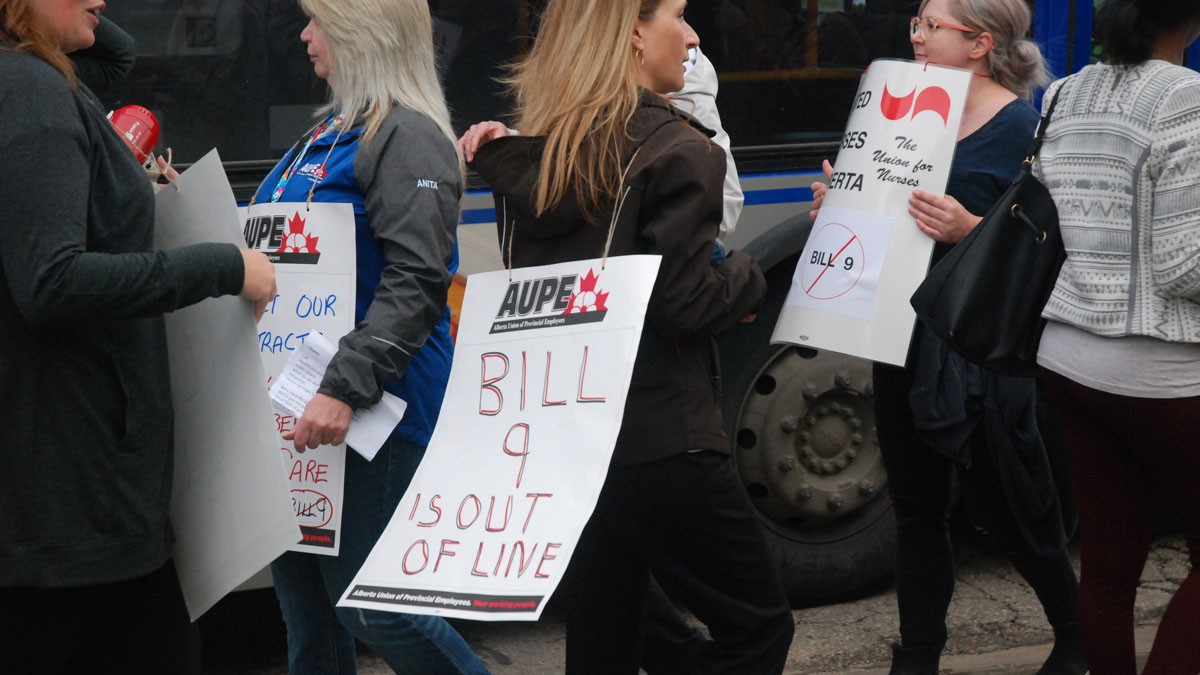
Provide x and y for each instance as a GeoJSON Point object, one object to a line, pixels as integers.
{"type": "Point", "coordinates": [233, 74]}
{"type": "Point", "coordinates": [230, 74]}
{"type": "Point", "coordinates": [789, 69]}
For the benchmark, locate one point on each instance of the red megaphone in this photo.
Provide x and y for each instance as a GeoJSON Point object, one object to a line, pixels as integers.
{"type": "Point", "coordinates": [138, 127]}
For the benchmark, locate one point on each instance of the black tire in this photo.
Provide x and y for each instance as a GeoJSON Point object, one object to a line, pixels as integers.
{"type": "Point", "coordinates": [802, 427]}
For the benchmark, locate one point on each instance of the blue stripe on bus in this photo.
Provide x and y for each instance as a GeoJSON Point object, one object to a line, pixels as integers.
{"type": "Point", "coordinates": [477, 216]}
{"type": "Point", "coordinates": [753, 198]}
{"type": "Point", "coordinates": [778, 196]}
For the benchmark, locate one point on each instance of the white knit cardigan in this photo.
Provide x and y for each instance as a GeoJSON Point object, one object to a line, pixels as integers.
{"type": "Point", "coordinates": [1121, 158]}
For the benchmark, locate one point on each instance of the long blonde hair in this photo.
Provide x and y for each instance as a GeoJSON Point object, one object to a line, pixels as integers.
{"type": "Point", "coordinates": [382, 56]}
{"type": "Point", "coordinates": [578, 87]}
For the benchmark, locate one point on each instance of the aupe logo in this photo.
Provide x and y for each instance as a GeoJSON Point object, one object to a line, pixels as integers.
{"type": "Point", "coordinates": [283, 240]}
{"type": "Point", "coordinates": [934, 99]}
{"type": "Point", "coordinates": [551, 301]}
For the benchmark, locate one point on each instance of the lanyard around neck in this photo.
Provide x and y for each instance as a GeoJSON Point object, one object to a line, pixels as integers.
{"type": "Point", "coordinates": [294, 166]}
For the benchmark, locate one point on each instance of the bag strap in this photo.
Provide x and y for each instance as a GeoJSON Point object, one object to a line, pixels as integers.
{"type": "Point", "coordinates": [1041, 128]}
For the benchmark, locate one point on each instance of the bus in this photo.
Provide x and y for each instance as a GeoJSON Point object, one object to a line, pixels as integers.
{"type": "Point", "coordinates": [233, 74]}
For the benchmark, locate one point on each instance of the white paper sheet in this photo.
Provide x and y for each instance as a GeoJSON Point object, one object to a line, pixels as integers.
{"type": "Point", "coordinates": [301, 377]}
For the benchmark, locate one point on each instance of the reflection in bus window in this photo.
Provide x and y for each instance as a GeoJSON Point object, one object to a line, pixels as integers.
{"type": "Point", "coordinates": [233, 74]}
{"type": "Point", "coordinates": [230, 74]}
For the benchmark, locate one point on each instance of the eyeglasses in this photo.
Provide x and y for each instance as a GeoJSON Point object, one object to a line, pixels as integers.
{"type": "Point", "coordinates": [927, 26]}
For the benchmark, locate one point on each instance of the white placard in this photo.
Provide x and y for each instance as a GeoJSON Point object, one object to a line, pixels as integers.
{"type": "Point", "coordinates": [230, 506]}
{"type": "Point", "coordinates": [537, 391]}
{"type": "Point", "coordinates": [312, 246]}
{"type": "Point", "coordinates": [865, 256]}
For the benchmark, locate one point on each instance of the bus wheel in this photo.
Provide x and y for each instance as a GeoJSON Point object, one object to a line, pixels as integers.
{"type": "Point", "coordinates": [805, 447]}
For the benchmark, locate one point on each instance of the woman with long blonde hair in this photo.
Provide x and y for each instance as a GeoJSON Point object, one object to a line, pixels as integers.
{"type": "Point", "coordinates": [383, 145]}
{"type": "Point", "coordinates": [604, 155]}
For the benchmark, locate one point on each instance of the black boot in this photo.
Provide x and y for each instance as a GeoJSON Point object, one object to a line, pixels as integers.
{"type": "Point", "coordinates": [1066, 658]}
{"type": "Point", "coordinates": [910, 661]}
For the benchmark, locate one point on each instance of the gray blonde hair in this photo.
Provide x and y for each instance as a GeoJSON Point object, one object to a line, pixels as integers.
{"type": "Point", "coordinates": [1016, 62]}
{"type": "Point", "coordinates": [381, 54]}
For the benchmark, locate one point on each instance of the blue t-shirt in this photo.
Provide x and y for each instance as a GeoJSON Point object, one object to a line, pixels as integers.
{"type": "Point", "coordinates": [987, 161]}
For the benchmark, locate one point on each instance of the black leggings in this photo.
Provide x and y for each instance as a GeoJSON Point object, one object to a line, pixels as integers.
{"type": "Point", "coordinates": [920, 479]}
{"type": "Point", "coordinates": [1123, 452]}
{"type": "Point", "coordinates": [135, 627]}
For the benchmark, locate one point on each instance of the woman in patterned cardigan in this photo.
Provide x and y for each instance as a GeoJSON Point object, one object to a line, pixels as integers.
{"type": "Point", "coordinates": [1121, 354]}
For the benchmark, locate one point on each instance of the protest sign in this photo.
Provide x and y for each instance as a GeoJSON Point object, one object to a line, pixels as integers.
{"type": "Point", "coordinates": [865, 256]}
{"type": "Point", "coordinates": [537, 391]}
{"type": "Point", "coordinates": [312, 246]}
{"type": "Point", "coordinates": [229, 506]}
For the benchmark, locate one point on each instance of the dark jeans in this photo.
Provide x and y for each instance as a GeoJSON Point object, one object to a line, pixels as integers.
{"type": "Point", "coordinates": [1124, 451]}
{"type": "Point", "coordinates": [135, 627]}
{"type": "Point", "coordinates": [688, 520]}
{"type": "Point", "coordinates": [670, 644]}
{"type": "Point", "coordinates": [320, 635]}
{"type": "Point", "coordinates": [920, 481]}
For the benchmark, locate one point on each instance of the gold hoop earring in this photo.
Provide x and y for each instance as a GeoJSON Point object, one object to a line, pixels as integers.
{"type": "Point", "coordinates": [641, 58]}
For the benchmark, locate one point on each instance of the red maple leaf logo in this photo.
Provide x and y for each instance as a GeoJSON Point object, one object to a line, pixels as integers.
{"type": "Point", "coordinates": [588, 299]}
{"type": "Point", "coordinates": [295, 241]}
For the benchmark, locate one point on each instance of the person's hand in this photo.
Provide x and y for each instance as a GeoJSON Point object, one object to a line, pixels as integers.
{"type": "Point", "coordinates": [819, 190]}
{"type": "Point", "coordinates": [165, 168]}
{"type": "Point", "coordinates": [325, 422]}
{"type": "Point", "coordinates": [478, 135]}
{"type": "Point", "coordinates": [941, 217]}
{"type": "Point", "coordinates": [749, 318]}
{"type": "Point", "coordinates": [258, 282]}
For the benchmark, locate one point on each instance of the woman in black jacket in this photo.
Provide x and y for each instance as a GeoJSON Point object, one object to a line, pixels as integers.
{"type": "Point", "coordinates": [590, 106]}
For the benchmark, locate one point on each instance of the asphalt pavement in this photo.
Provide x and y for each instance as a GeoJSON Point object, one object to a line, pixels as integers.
{"type": "Point", "coordinates": [996, 626]}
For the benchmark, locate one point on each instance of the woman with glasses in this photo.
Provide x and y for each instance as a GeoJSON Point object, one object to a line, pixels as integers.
{"type": "Point", "coordinates": [944, 422]}
{"type": "Point", "coordinates": [1121, 350]}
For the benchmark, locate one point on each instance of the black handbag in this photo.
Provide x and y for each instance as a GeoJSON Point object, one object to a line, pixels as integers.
{"type": "Point", "coordinates": [985, 297]}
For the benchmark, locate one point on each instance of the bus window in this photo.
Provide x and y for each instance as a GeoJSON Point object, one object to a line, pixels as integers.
{"type": "Point", "coordinates": [230, 74]}
{"type": "Point", "coordinates": [789, 69]}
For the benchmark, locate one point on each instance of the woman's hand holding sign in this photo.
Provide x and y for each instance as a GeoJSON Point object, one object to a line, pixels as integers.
{"type": "Point", "coordinates": [941, 217]}
{"type": "Point", "coordinates": [819, 189]}
{"type": "Point", "coordinates": [258, 281]}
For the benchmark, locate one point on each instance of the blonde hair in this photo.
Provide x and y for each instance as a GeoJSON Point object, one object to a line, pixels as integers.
{"type": "Point", "coordinates": [578, 88]}
{"type": "Point", "coordinates": [28, 33]}
{"type": "Point", "coordinates": [381, 56]}
{"type": "Point", "coordinates": [1015, 61]}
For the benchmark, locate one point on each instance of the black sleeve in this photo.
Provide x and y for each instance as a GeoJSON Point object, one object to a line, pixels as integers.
{"type": "Point", "coordinates": [53, 265]}
{"type": "Point", "coordinates": [109, 60]}
{"type": "Point", "coordinates": [411, 183]}
{"type": "Point", "coordinates": [681, 217]}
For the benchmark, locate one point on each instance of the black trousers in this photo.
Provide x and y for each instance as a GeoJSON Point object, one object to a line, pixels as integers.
{"type": "Point", "coordinates": [135, 627]}
{"type": "Point", "coordinates": [688, 520]}
{"type": "Point", "coordinates": [920, 482]}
